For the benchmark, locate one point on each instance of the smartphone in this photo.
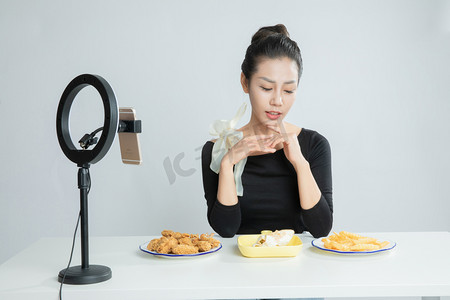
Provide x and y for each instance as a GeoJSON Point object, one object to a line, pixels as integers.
{"type": "Point", "coordinates": [129, 141]}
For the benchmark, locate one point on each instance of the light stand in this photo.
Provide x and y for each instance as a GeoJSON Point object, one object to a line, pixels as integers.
{"type": "Point", "coordinates": [86, 273]}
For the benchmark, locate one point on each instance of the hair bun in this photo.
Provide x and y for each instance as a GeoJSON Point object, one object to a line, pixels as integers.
{"type": "Point", "coordinates": [264, 32]}
{"type": "Point", "coordinates": [271, 42]}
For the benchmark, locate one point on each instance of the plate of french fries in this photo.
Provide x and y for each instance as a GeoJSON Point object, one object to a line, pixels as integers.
{"type": "Point", "coordinates": [346, 242]}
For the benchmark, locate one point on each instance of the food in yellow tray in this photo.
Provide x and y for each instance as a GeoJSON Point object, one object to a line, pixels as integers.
{"type": "Point", "coordinates": [348, 241]}
{"type": "Point", "coordinates": [282, 243]}
{"type": "Point", "coordinates": [276, 238]}
{"type": "Point", "coordinates": [182, 243]}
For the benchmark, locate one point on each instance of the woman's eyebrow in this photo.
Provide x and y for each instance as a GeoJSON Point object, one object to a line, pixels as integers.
{"type": "Point", "coordinates": [267, 79]}
{"type": "Point", "coordinates": [290, 82]}
{"type": "Point", "coordinates": [273, 81]}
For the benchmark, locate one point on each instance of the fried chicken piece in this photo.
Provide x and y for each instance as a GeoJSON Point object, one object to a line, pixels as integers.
{"type": "Point", "coordinates": [167, 233]}
{"type": "Point", "coordinates": [173, 242]}
{"type": "Point", "coordinates": [209, 238]}
{"type": "Point", "coordinates": [185, 249]}
{"type": "Point", "coordinates": [204, 237]}
{"type": "Point", "coordinates": [195, 241]}
{"type": "Point", "coordinates": [164, 247]}
{"type": "Point", "coordinates": [153, 245]}
{"type": "Point", "coordinates": [204, 246]}
{"type": "Point", "coordinates": [185, 241]}
{"type": "Point", "coordinates": [177, 235]}
{"type": "Point", "coordinates": [214, 243]}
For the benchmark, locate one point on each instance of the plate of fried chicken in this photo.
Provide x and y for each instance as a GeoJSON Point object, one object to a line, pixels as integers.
{"type": "Point", "coordinates": [176, 244]}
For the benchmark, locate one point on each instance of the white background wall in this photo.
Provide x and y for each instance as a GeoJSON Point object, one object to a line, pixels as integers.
{"type": "Point", "coordinates": [375, 83]}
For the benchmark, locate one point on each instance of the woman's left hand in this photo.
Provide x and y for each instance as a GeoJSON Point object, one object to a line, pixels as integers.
{"type": "Point", "coordinates": [291, 147]}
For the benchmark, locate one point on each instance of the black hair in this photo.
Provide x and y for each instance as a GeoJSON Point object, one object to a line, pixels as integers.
{"type": "Point", "coordinates": [271, 42]}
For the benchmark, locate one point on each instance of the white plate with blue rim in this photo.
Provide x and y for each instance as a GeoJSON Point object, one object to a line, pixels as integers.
{"type": "Point", "coordinates": [319, 245]}
{"type": "Point", "coordinates": [143, 248]}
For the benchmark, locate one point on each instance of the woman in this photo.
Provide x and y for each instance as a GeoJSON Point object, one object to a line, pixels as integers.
{"type": "Point", "coordinates": [271, 174]}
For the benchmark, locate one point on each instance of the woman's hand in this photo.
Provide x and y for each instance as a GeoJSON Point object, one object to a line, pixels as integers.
{"type": "Point", "coordinates": [247, 146]}
{"type": "Point", "coordinates": [308, 190]}
{"type": "Point", "coordinates": [226, 192]}
{"type": "Point", "coordinates": [291, 147]}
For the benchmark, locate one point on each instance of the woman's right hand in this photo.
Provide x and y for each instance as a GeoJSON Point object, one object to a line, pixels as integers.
{"type": "Point", "coordinates": [247, 146]}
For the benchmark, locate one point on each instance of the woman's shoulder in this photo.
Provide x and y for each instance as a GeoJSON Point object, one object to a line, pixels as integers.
{"type": "Point", "coordinates": [208, 147]}
{"type": "Point", "coordinates": [207, 151]}
{"type": "Point", "coordinates": [311, 138]}
{"type": "Point", "coordinates": [313, 143]}
{"type": "Point", "coordinates": [311, 134]}
{"type": "Point", "coordinates": [209, 144]}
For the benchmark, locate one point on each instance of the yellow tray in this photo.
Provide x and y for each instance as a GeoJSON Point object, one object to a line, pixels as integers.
{"type": "Point", "coordinates": [245, 243]}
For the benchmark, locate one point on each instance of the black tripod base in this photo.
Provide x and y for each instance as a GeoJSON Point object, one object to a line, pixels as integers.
{"type": "Point", "coordinates": [78, 275]}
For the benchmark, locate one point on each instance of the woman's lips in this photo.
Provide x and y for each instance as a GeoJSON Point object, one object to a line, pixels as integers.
{"type": "Point", "coordinates": [273, 115]}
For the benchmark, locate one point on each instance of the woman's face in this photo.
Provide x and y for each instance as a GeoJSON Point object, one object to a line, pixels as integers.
{"type": "Point", "coordinates": [272, 89]}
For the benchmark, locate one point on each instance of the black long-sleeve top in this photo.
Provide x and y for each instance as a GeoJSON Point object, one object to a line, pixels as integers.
{"type": "Point", "coordinates": [271, 199]}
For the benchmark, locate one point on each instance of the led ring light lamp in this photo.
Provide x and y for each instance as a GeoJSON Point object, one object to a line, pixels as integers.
{"type": "Point", "coordinates": [86, 274]}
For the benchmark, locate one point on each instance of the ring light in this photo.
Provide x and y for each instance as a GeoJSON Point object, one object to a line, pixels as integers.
{"type": "Point", "coordinates": [110, 126]}
{"type": "Point", "coordinates": [85, 273]}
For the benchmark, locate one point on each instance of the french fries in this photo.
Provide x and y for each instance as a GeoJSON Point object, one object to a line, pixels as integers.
{"type": "Point", "coordinates": [347, 241]}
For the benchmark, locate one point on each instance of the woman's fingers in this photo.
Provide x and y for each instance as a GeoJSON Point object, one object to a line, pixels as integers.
{"type": "Point", "coordinates": [283, 129]}
{"type": "Point", "coordinates": [265, 143]}
{"type": "Point", "coordinates": [261, 144]}
{"type": "Point", "coordinates": [276, 141]}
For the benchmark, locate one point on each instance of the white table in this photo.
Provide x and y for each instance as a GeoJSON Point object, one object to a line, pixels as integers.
{"type": "Point", "coordinates": [418, 266]}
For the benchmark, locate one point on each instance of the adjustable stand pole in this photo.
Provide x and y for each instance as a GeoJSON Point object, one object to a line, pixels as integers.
{"type": "Point", "coordinates": [83, 185]}
{"type": "Point", "coordinates": [84, 274]}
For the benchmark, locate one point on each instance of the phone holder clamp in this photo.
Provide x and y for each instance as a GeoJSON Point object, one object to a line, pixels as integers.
{"type": "Point", "coordinates": [130, 126]}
